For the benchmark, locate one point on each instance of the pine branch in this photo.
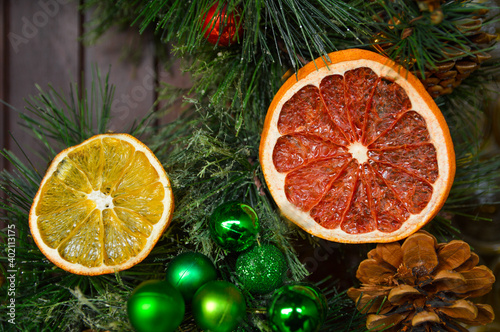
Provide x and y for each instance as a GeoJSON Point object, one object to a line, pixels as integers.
{"type": "Point", "coordinates": [209, 165]}
{"type": "Point", "coordinates": [412, 37]}
{"type": "Point", "coordinates": [304, 23]}
{"type": "Point", "coordinates": [44, 294]}
{"type": "Point", "coordinates": [278, 35]}
{"type": "Point", "coordinates": [465, 111]}
{"type": "Point", "coordinates": [50, 297]}
{"type": "Point", "coordinates": [59, 121]}
{"type": "Point", "coordinates": [342, 315]}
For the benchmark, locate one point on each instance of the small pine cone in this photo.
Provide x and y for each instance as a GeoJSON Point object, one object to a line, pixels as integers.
{"type": "Point", "coordinates": [422, 286]}
{"type": "Point", "coordinates": [459, 61]}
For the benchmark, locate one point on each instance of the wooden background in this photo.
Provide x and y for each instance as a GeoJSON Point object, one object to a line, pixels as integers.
{"type": "Point", "coordinates": [40, 44]}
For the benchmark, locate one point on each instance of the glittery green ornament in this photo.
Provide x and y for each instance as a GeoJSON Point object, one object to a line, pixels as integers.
{"type": "Point", "coordinates": [155, 306]}
{"type": "Point", "coordinates": [218, 306]}
{"type": "Point", "coordinates": [297, 308]}
{"type": "Point", "coordinates": [189, 271]}
{"type": "Point", "coordinates": [261, 269]}
{"type": "Point", "coordinates": [234, 226]}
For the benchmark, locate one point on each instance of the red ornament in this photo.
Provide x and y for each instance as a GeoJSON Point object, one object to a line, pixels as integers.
{"type": "Point", "coordinates": [218, 22]}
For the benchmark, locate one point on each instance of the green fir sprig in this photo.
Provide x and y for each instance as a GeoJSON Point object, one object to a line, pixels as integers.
{"type": "Point", "coordinates": [302, 29]}
{"type": "Point", "coordinates": [277, 36]}
{"type": "Point", "coordinates": [417, 41]}
{"type": "Point", "coordinates": [46, 297]}
{"type": "Point", "coordinates": [212, 162]}
{"type": "Point", "coordinates": [208, 164]}
{"type": "Point", "coordinates": [477, 178]}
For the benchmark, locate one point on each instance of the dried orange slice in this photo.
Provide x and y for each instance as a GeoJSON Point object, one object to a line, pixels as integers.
{"type": "Point", "coordinates": [355, 150]}
{"type": "Point", "coordinates": [102, 205]}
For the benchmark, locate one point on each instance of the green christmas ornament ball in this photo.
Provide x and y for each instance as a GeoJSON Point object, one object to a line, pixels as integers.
{"type": "Point", "coordinates": [261, 269]}
{"type": "Point", "coordinates": [155, 306]}
{"type": "Point", "coordinates": [218, 306]}
{"type": "Point", "coordinates": [189, 271]}
{"type": "Point", "coordinates": [297, 308]}
{"type": "Point", "coordinates": [234, 226]}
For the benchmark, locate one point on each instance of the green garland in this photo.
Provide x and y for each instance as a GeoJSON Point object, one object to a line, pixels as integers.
{"type": "Point", "coordinates": [51, 299]}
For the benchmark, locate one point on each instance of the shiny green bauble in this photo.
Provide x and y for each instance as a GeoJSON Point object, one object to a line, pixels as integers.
{"type": "Point", "coordinates": [155, 306]}
{"type": "Point", "coordinates": [234, 226]}
{"type": "Point", "coordinates": [218, 306]}
{"type": "Point", "coordinates": [261, 269]}
{"type": "Point", "coordinates": [297, 308]}
{"type": "Point", "coordinates": [189, 271]}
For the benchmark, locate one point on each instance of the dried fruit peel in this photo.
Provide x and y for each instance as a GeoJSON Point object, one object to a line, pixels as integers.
{"type": "Point", "coordinates": [339, 63]}
{"type": "Point", "coordinates": [109, 217]}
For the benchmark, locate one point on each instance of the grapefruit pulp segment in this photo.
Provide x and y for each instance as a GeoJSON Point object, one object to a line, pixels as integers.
{"type": "Point", "coordinates": [305, 112]}
{"type": "Point", "coordinates": [359, 87]}
{"type": "Point", "coordinates": [306, 186]}
{"type": "Point", "coordinates": [390, 212]}
{"type": "Point", "coordinates": [389, 101]}
{"type": "Point", "coordinates": [330, 211]}
{"type": "Point", "coordinates": [295, 150]}
{"type": "Point", "coordinates": [359, 217]}
{"type": "Point", "coordinates": [332, 91]}
{"type": "Point", "coordinates": [419, 160]}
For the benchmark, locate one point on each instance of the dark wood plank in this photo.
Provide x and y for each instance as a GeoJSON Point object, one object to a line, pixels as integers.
{"type": "Point", "coordinates": [129, 58]}
{"type": "Point", "coordinates": [177, 79]}
{"type": "Point", "coordinates": [4, 116]}
{"type": "Point", "coordinates": [42, 48]}
{"type": "Point", "coordinates": [4, 119]}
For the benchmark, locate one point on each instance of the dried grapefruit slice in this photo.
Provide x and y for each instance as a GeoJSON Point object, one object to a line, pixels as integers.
{"type": "Point", "coordinates": [102, 205]}
{"type": "Point", "coordinates": [355, 150]}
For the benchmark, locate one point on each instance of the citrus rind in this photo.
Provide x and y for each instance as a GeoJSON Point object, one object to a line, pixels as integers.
{"type": "Point", "coordinates": [157, 228]}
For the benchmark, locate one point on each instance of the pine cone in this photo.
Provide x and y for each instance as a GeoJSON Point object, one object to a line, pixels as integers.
{"type": "Point", "coordinates": [422, 286]}
{"type": "Point", "coordinates": [458, 63]}
{"type": "Point", "coordinates": [459, 60]}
